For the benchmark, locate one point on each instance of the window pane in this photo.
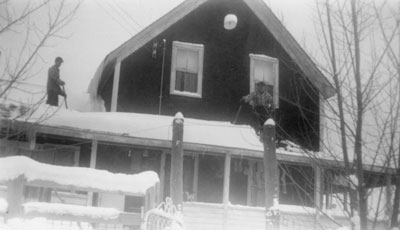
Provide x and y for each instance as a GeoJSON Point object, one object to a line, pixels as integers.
{"type": "Point", "coordinates": [211, 179]}
{"type": "Point", "coordinates": [179, 81]}
{"type": "Point", "coordinates": [187, 60]}
{"type": "Point", "coordinates": [186, 82]}
{"type": "Point", "coordinates": [263, 71]}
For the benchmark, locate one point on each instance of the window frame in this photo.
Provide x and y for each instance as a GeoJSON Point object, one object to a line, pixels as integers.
{"type": "Point", "coordinates": [275, 69]}
{"type": "Point", "coordinates": [199, 49]}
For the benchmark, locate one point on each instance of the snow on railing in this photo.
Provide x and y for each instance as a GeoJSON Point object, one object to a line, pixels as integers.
{"type": "Point", "coordinates": [17, 172]}
{"type": "Point", "coordinates": [84, 178]}
{"type": "Point", "coordinates": [3, 206]}
{"type": "Point", "coordinates": [165, 216]}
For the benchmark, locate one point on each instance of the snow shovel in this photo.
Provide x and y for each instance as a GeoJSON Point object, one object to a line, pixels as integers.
{"type": "Point", "coordinates": [65, 98]}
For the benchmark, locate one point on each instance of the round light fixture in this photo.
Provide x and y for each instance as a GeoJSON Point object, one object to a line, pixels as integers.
{"type": "Point", "coordinates": [230, 21]}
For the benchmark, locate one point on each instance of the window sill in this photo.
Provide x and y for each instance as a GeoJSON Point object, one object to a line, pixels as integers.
{"type": "Point", "coordinates": [186, 94]}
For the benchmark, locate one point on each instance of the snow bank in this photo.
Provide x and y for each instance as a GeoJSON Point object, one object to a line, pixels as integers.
{"type": "Point", "coordinates": [75, 210]}
{"type": "Point", "coordinates": [43, 224]}
{"type": "Point", "coordinates": [15, 166]}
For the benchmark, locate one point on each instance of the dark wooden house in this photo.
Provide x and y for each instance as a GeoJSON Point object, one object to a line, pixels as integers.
{"type": "Point", "coordinates": [219, 67]}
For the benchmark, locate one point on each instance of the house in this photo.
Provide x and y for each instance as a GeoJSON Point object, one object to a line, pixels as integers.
{"type": "Point", "coordinates": [200, 59]}
{"type": "Point", "coordinates": [219, 65]}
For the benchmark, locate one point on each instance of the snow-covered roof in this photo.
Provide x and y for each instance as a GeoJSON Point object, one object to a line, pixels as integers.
{"type": "Point", "coordinates": [200, 135]}
{"type": "Point", "coordinates": [156, 131]}
{"type": "Point", "coordinates": [79, 177]}
{"type": "Point", "coordinates": [149, 126]}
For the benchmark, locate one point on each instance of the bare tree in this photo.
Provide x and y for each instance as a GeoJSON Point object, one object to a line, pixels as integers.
{"type": "Point", "coordinates": [356, 60]}
{"type": "Point", "coordinates": [32, 35]}
{"type": "Point", "coordinates": [32, 26]}
{"type": "Point", "coordinates": [394, 102]}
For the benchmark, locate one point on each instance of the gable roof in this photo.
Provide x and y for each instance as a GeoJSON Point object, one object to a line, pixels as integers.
{"type": "Point", "coordinates": [259, 8]}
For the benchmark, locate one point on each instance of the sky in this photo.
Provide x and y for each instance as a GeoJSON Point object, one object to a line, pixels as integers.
{"type": "Point", "coordinates": [100, 26]}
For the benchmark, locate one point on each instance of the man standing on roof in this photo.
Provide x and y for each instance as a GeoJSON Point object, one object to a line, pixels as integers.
{"type": "Point", "coordinates": [54, 83]}
{"type": "Point", "coordinates": [262, 104]}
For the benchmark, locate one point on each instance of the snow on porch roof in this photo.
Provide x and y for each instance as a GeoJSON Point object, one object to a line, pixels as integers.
{"type": "Point", "coordinates": [149, 126]}
{"type": "Point", "coordinates": [155, 131]}
{"type": "Point", "coordinates": [152, 131]}
{"type": "Point", "coordinates": [260, 9]}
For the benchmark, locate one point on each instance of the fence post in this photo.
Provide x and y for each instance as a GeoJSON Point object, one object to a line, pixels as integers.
{"type": "Point", "coordinates": [92, 164]}
{"type": "Point", "coordinates": [15, 196]}
{"type": "Point", "coordinates": [176, 184]}
{"type": "Point", "coordinates": [270, 173]}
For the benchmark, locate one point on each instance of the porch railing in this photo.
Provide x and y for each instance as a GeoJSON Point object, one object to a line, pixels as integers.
{"type": "Point", "coordinates": [96, 217]}
{"type": "Point", "coordinates": [206, 216]}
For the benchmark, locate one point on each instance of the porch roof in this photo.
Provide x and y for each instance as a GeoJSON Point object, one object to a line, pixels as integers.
{"type": "Point", "coordinates": [260, 9]}
{"type": "Point", "coordinates": [155, 131]}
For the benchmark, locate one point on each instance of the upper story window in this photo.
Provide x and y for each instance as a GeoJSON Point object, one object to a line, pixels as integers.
{"type": "Point", "coordinates": [265, 69]}
{"type": "Point", "coordinates": [187, 69]}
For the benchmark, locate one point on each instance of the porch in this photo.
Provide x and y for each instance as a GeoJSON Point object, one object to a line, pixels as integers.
{"type": "Point", "coordinates": [223, 176]}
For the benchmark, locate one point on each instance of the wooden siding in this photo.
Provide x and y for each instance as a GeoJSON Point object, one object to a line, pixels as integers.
{"type": "Point", "coordinates": [175, 15]}
{"type": "Point", "coordinates": [215, 216]}
{"type": "Point", "coordinates": [206, 216]}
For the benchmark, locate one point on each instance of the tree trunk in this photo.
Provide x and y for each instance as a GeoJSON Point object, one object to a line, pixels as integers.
{"type": "Point", "coordinates": [363, 211]}
{"type": "Point", "coordinates": [342, 121]}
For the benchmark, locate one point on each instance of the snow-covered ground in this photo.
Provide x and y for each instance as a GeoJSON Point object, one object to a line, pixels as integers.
{"type": "Point", "coordinates": [42, 224]}
{"type": "Point", "coordinates": [74, 210]}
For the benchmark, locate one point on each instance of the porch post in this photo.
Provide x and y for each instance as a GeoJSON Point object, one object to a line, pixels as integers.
{"type": "Point", "coordinates": [317, 190]}
{"type": "Point", "coordinates": [250, 182]}
{"type": "Point", "coordinates": [162, 174]}
{"type": "Point", "coordinates": [270, 163]}
{"type": "Point", "coordinates": [176, 186]}
{"type": "Point", "coordinates": [196, 176]}
{"type": "Point", "coordinates": [92, 164]}
{"type": "Point", "coordinates": [227, 175]}
{"type": "Point", "coordinates": [270, 173]}
{"type": "Point", "coordinates": [15, 196]}
{"type": "Point", "coordinates": [225, 194]}
{"type": "Point", "coordinates": [388, 179]}
{"type": "Point", "coordinates": [114, 97]}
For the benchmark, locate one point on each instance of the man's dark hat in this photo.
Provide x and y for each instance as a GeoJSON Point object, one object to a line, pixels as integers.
{"type": "Point", "coordinates": [59, 59]}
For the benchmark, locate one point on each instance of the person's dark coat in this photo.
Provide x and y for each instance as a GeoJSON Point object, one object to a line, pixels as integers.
{"type": "Point", "coordinates": [54, 84]}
